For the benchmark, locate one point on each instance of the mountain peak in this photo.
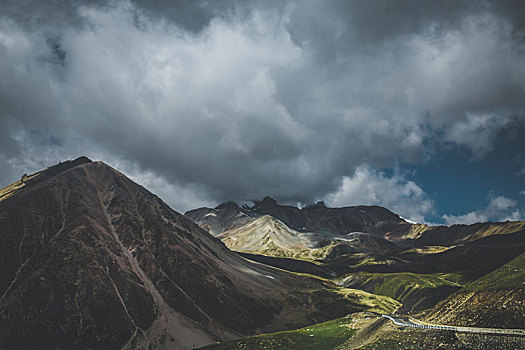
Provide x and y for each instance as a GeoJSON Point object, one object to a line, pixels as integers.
{"type": "Point", "coordinates": [66, 165]}
{"type": "Point", "coordinates": [268, 201]}
{"type": "Point", "coordinates": [319, 204]}
{"type": "Point", "coordinates": [228, 204]}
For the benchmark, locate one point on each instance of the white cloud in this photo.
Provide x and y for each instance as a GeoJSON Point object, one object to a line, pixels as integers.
{"type": "Point", "coordinates": [477, 132]}
{"type": "Point", "coordinates": [467, 219]}
{"type": "Point", "coordinates": [371, 187]}
{"type": "Point", "coordinates": [499, 208]}
{"type": "Point", "coordinates": [516, 215]}
{"type": "Point", "coordinates": [179, 198]}
{"type": "Point", "coordinates": [500, 203]}
{"type": "Point", "coordinates": [252, 104]}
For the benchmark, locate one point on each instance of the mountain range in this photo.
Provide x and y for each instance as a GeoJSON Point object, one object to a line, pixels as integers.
{"type": "Point", "coordinates": [91, 260]}
{"type": "Point", "coordinates": [319, 232]}
{"type": "Point", "coordinates": [440, 273]}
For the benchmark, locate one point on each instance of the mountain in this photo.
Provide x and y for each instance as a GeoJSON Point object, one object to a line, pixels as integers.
{"type": "Point", "coordinates": [496, 299]}
{"type": "Point", "coordinates": [338, 221]}
{"type": "Point", "coordinates": [268, 236]}
{"type": "Point", "coordinates": [417, 265]}
{"type": "Point", "coordinates": [341, 231]}
{"type": "Point", "coordinates": [90, 259]}
{"type": "Point", "coordinates": [313, 232]}
{"type": "Point", "coordinates": [314, 218]}
{"type": "Point", "coordinates": [461, 234]}
{"type": "Point", "coordinates": [224, 217]}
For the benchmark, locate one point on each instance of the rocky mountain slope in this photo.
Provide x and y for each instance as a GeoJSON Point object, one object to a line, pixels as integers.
{"type": "Point", "coordinates": [336, 231]}
{"type": "Point", "coordinates": [89, 259]}
{"type": "Point", "coordinates": [494, 300]}
{"type": "Point", "coordinates": [340, 221]}
{"type": "Point", "coordinates": [268, 236]}
{"type": "Point", "coordinates": [461, 234]}
{"type": "Point", "coordinates": [314, 218]}
{"type": "Point", "coordinates": [224, 217]}
{"type": "Point", "coordinates": [318, 232]}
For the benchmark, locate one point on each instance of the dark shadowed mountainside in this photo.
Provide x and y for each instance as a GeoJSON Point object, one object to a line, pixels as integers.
{"type": "Point", "coordinates": [321, 219]}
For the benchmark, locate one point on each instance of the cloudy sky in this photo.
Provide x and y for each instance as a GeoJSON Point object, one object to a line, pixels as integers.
{"type": "Point", "coordinates": [418, 106]}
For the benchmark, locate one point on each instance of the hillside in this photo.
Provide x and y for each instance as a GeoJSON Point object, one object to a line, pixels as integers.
{"type": "Point", "coordinates": [494, 300]}
{"type": "Point", "coordinates": [224, 217]}
{"type": "Point", "coordinates": [268, 236]}
{"type": "Point", "coordinates": [461, 234]}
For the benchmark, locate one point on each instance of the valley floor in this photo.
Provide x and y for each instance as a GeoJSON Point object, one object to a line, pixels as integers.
{"type": "Point", "coordinates": [369, 331]}
{"type": "Point", "coordinates": [484, 320]}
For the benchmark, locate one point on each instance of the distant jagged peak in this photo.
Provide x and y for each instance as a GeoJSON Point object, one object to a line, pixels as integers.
{"type": "Point", "coordinates": [267, 202]}
{"type": "Point", "coordinates": [316, 205]}
{"type": "Point", "coordinates": [228, 204]}
{"type": "Point", "coordinates": [82, 159]}
{"type": "Point", "coordinates": [246, 204]}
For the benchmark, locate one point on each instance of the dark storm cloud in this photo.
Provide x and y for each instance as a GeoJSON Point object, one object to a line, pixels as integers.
{"type": "Point", "coordinates": [206, 101]}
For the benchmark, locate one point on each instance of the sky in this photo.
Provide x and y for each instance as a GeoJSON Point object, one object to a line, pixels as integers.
{"type": "Point", "coordinates": [418, 106]}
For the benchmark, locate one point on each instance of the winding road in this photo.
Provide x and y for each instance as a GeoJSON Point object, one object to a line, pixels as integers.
{"type": "Point", "coordinates": [413, 323]}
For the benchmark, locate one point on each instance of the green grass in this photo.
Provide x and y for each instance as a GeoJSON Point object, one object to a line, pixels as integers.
{"type": "Point", "coordinates": [402, 285]}
{"type": "Point", "coordinates": [427, 250]}
{"type": "Point", "coordinates": [384, 344]}
{"type": "Point", "coordinates": [509, 276]}
{"type": "Point", "coordinates": [359, 299]}
{"type": "Point", "coordinates": [373, 261]}
{"type": "Point", "coordinates": [298, 253]}
{"type": "Point", "coordinates": [321, 336]}
{"type": "Point", "coordinates": [313, 255]}
{"type": "Point", "coordinates": [369, 302]}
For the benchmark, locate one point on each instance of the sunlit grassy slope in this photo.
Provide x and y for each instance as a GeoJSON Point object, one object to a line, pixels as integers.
{"type": "Point", "coordinates": [370, 302]}
{"type": "Point", "coordinates": [327, 335]}
{"type": "Point", "coordinates": [400, 286]}
{"type": "Point", "coordinates": [321, 336]}
{"type": "Point", "coordinates": [509, 276]}
{"type": "Point", "coordinates": [9, 190]}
